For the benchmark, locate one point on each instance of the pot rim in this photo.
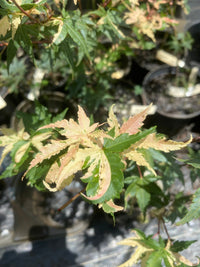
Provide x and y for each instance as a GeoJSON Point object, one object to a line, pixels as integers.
{"type": "Point", "coordinates": [152, 74]}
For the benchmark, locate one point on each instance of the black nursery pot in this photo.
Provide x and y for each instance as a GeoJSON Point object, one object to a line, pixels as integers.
{"type": "Point", "coordinates": [168, 118]}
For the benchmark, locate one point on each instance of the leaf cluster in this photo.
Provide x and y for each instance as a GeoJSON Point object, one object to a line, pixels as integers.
{"type": "Point", "coordinates": [86, 43]}
{"type": "Point", "coordinates": [59, 150]}
{"type": "Point", "coordinates": [154, 252]}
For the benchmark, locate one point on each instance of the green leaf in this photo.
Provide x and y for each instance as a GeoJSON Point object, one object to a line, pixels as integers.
{"type": "Point", "coordinates": [76, 36]}
{"type": "Point", "coordinates": [194, 210]}
{"type": "Point", "coordinates": [60, 116]}
{"type": "Point", "coordinates": [154, 259]}
{"type": "Point", "coordinates": [143, 198]}
{"type": "Point", "coordinates": [117, 178]}
{"type": "Point", "coordinates": [93, 183]}
{"type": "Point", "coordinates": [62, 33]}
{"type": "Point", "coordinates": [178, 207]}
{"type": "Point", "coordinates": [22, 39]}
{"type": "Point", "coordinates": [68, 52]}
{"type": "Point", "coordinates": [181, 245]}
{"type": "Point", "coordinates": [136, 190]}
{"type": "Point", "coordinates": [4, 4]}
{"type": "Point", "coordinates": [124, 141]}
{"type": "Point", "coordinates": [11, 53]}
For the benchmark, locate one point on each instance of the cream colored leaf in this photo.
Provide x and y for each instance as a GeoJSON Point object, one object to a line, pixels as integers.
{"type": "Point", "coordinates": [114, 206]}
{"type": "Point", "coordinates": [37, 139]}
{"type": "Point", "coordinates": [6, 150]}
{"type": "Point", "coordinates": [21, 151]}
{"type": "Point", "coordinates": [134, 123]}
{"type": "Point", "coordinates": [139, 159]}
{"type": "Point", "coordinates": [72, 129]}
{"type": "Point", "coordinates": [19, 2]}
{"type": "Point", "coordinates": [60, 26]}
{"type": "Point", "coordinates": [83, 120]}
{"type": "Point", "coordinates": [5, 25]}
{"type": "Point", "coordinates": [58, 124]}
{"type": "Point", "coordinates": [9, 140]}
{"type": "Point", "coordinates": [152, 141]}
{"type": "Point", "coordinates": [7, 131]}
{"type": "Point", "coordinates": [62, 174]}
{"type": "Point", "coordinates": [135, 257]}
{"type": "Point", "coordinates": [65, 183]}
{"type": "Point", "coordinates": [70, 164]}
{"type": "Point", "coordinates": [75, 2]}
{"type": "Point", "coordinates": [113, 122]}
{"type": "Point", "coordinates": [46, 152]}
{"type": "Point", "coordinates": [139, 252]}
{"type": "Point", "coordinates": [182, 259]}
{"type": "Point", "coordinates": [16, 20]}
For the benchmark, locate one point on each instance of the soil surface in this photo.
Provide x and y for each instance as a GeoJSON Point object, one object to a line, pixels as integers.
{"type": "Point", "coordinates": [156, 90]}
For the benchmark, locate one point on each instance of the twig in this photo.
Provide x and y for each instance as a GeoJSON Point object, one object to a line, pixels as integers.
{"type": "Point", "coordinates": [196, 139]}
{"type": "Point", "coordinates": [71, 200]}
{"type": "Point", "coordinates": [24, 12]}
{"type": "Point", "coordinates": [166, 231]}
{"type": "Point", "coordinates": [140, 173]}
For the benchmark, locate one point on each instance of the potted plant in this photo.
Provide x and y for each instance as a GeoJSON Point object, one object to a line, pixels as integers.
{"type": "Point", "coordinates": [52, 152]}
{"type": "Point", "coordinates": [174, 89]}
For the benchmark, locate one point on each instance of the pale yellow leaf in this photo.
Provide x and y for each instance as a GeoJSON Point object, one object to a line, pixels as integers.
{"type": "Point", "coordinates": [16, 20]}
{"type": "Point", "coordinates": [60, 23]}
{"type": "Point", "coordinates": [46, 152]}
{"type": "Point", "coordinates": [139, 159]}
{"type": "Point", "coordinates": [58, 124]}
{"type": "Point", "coordinates": [113, 122]}
{"type": "Point", "coordinates": [19, 2]}
{"type": "Point", "coordinates": [139, 252]}
{"type": "Point", "coordinates": [75, 2]}
{"type": "Point", "coordinates": [182, 259]}
{"type": "Point", "coordinates": [9, 140]}
{"type": "Point", "coordinates": [160, 143]}
{"type": "Point", "coordinates": [134, 123]}
{"type": "Point", "coordinates": [37, 139]}
{"type": "Point", "coordinates": [7, 131]}
{"type": "Point", "coordinates": [21, 151]}
{"type": "Point", "coordinates": [74, 130]}
{"type": "Point", "coordinates": [5, 25]}
{"type": "Point", "coordinates": [83, 120]}
{"type": "Point", "coordinates": [62, 174]}
{"type": "Point", "coordinates": [135, 257]}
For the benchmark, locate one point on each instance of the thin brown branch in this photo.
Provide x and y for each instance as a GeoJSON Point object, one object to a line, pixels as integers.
{"type": "Point", "coordinates": [106, 3]}
{"type": "Point", "coordinates": [71, 200]}
{"type": "Point", "coordinates": [24, 12]}
{"type": "Point", "coordinates": [165, 228]}
{"type": "Point", "coordinates": [140, 173]}
{"type": "Point", "coordinates": [196, 139]}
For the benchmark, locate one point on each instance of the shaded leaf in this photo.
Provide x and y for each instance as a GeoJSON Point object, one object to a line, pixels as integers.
{"type": "Point", "coordinates": [194, 210]}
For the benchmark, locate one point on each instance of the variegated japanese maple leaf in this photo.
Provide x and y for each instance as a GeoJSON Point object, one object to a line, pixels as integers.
{"type": "Point", "coordinates": [152, 252]}
{"type": "Point", "coordinates": [98, 155]}
{"type": "Point", "coordinates": [20, 142]}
